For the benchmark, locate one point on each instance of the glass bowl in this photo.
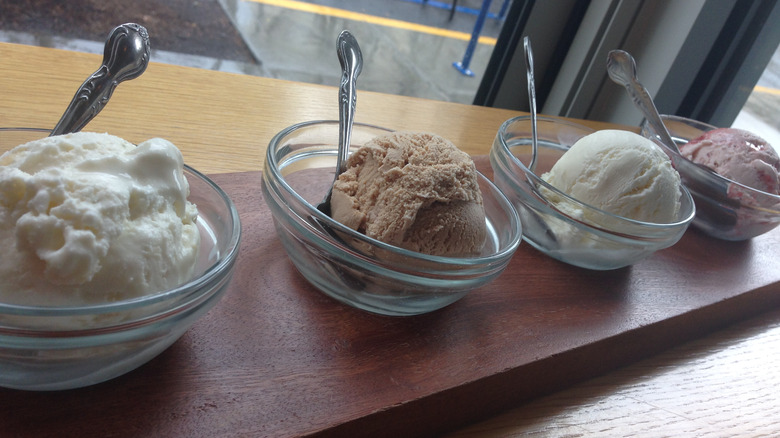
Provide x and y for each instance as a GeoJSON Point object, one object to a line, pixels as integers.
{"type": "Point", "coordinates": [54, 348]}
{"type": "Point", "coordinates": [604, 241]}
{"type": "Point", "coordinates": [351, 267]}
{"type": "Point", "coordinates": [725, 209]}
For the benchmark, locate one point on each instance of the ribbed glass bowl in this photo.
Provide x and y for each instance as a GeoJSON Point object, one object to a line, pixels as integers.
{"type": "Point", "coordinates": [355, 269]}
{"type": "Point", "coordinates": [54, 348]}
{"type": "Point", "coordinates": [725, 209]}
{"type": "Point", "coordinates": [603, 242]}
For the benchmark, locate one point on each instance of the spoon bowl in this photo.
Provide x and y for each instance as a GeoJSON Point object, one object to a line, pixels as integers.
{"type": "Point", "coordinates": [725, 209]}
{"type": "Point", "coordinates": [568, 229]}
{"type": "Point", "coordinates": [47, 347]}
{"type": "Point", "coordinates": [353, 268]}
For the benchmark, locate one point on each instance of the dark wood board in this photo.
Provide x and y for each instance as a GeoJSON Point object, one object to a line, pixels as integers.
{"type": "Point", "coordinates": [278, 358]}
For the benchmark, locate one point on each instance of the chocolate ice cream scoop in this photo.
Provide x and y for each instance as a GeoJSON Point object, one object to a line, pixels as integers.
{"type": "Point", "coordinates": [417, 191]}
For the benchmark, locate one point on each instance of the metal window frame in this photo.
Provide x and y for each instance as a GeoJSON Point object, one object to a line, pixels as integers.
{"type": "Point", "coordinates": [699, 58]}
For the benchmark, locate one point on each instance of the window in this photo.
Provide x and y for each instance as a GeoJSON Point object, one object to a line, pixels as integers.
{"type": "Point", "coordinates": [699, 58]}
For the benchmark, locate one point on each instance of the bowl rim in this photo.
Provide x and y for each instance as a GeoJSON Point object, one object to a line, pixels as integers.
{"type": "Point", "coordinates": [271, 165]}
{"type": "Point", "coordinates": [193, 286]}
{"type": "Point", "coordinates": [684, 192]}
{"type": "Point", "coordinates": [716, 175]}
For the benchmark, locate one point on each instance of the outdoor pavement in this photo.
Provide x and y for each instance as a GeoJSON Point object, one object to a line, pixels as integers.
{"type": "Point", "coordinates": [294, 40]}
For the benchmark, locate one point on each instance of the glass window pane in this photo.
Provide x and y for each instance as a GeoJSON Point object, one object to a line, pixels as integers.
{"type": "Point", "coordinates": [409, 45]}
{"type": "Point", "coordinates": [759, 114]}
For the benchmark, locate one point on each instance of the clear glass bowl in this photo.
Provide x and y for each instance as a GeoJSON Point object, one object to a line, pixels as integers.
{"type": "Point", "coordinates": [605, 241]}
{"type": "Point", "coordinates": [725, 209]}
{"type": "Point", "coordinates": [54, 348]}
{"type": "Point", "coordinates": [358, 270]}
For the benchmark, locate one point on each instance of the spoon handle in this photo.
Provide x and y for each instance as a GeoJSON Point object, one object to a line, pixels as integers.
{"type": "Point", "coordinates": [529, 66]}
{"type": "Point", "coordinates": [351, 60]}
{"type": "Point", "coordinates": [621, 68]}
{"type": "Point", "coordinates": [125, 56]}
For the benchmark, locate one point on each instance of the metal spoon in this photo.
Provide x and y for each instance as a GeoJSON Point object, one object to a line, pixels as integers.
{"type": "Point", "coordinates": [698, 178]}
{"type": "Point", "coordinates": [351, 60]}
{"type": "Point", "coordinates": [529, 71]}
{"type": "Point", "coordinates": [125, 56]}
{"type": "Point", "coordinates": [529, 74]}
{"type": "Point", "coordinates": [622, 70]}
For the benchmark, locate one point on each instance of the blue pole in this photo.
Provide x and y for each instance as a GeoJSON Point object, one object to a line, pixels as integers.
{"type": "Point", "coordinates": [463, 66]}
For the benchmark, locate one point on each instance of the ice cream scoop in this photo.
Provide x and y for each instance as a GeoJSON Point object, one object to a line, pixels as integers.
{"type": "Point", "coordinates": [125, 56]}
{"type": "Point", "coordinates": [416, 191]}
{"type": "Point", "coordinates": [88, 218]}
{"type": "Point", "coordinates": [726, 208]}
{"type": "Point", "coordinates": [738, 155]}
{"type": "Point", "coordinates": [619, 172]}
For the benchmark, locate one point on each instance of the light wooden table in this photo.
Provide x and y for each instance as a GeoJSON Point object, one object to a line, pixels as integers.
{"type": "Point", "coordinates": [723, 384]}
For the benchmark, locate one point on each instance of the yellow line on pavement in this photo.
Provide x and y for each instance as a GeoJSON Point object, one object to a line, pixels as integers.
{"type": "Point", "coordinates": [371, 19]}
{"type": "Point", "coordinates": [760, 89]}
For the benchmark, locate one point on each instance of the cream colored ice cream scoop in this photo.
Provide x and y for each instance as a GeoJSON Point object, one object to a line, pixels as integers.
{"type": "Point", "coordinates": [619, 172]}
{"type": "Point", "coordinates": [90, 218]}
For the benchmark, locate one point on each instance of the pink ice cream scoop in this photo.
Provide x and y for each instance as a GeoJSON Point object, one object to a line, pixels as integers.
{"type": "Point", "coordinates": [738, 155]}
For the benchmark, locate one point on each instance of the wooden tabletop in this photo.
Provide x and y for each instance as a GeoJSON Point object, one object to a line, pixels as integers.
{"type": "Point", "coordinates": [720, 384]}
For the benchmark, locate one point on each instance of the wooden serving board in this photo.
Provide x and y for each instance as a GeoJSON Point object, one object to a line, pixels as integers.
{"type": "Point", "coordinates": [278, 358]}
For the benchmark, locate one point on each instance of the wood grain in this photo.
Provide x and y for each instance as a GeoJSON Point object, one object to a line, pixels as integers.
{"type": "Point", "coordinates": [722, 385]}
{"type": "Point", "coordinates": [222, 122]}
{"type": "Point", "coordinates": [278, 358]}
